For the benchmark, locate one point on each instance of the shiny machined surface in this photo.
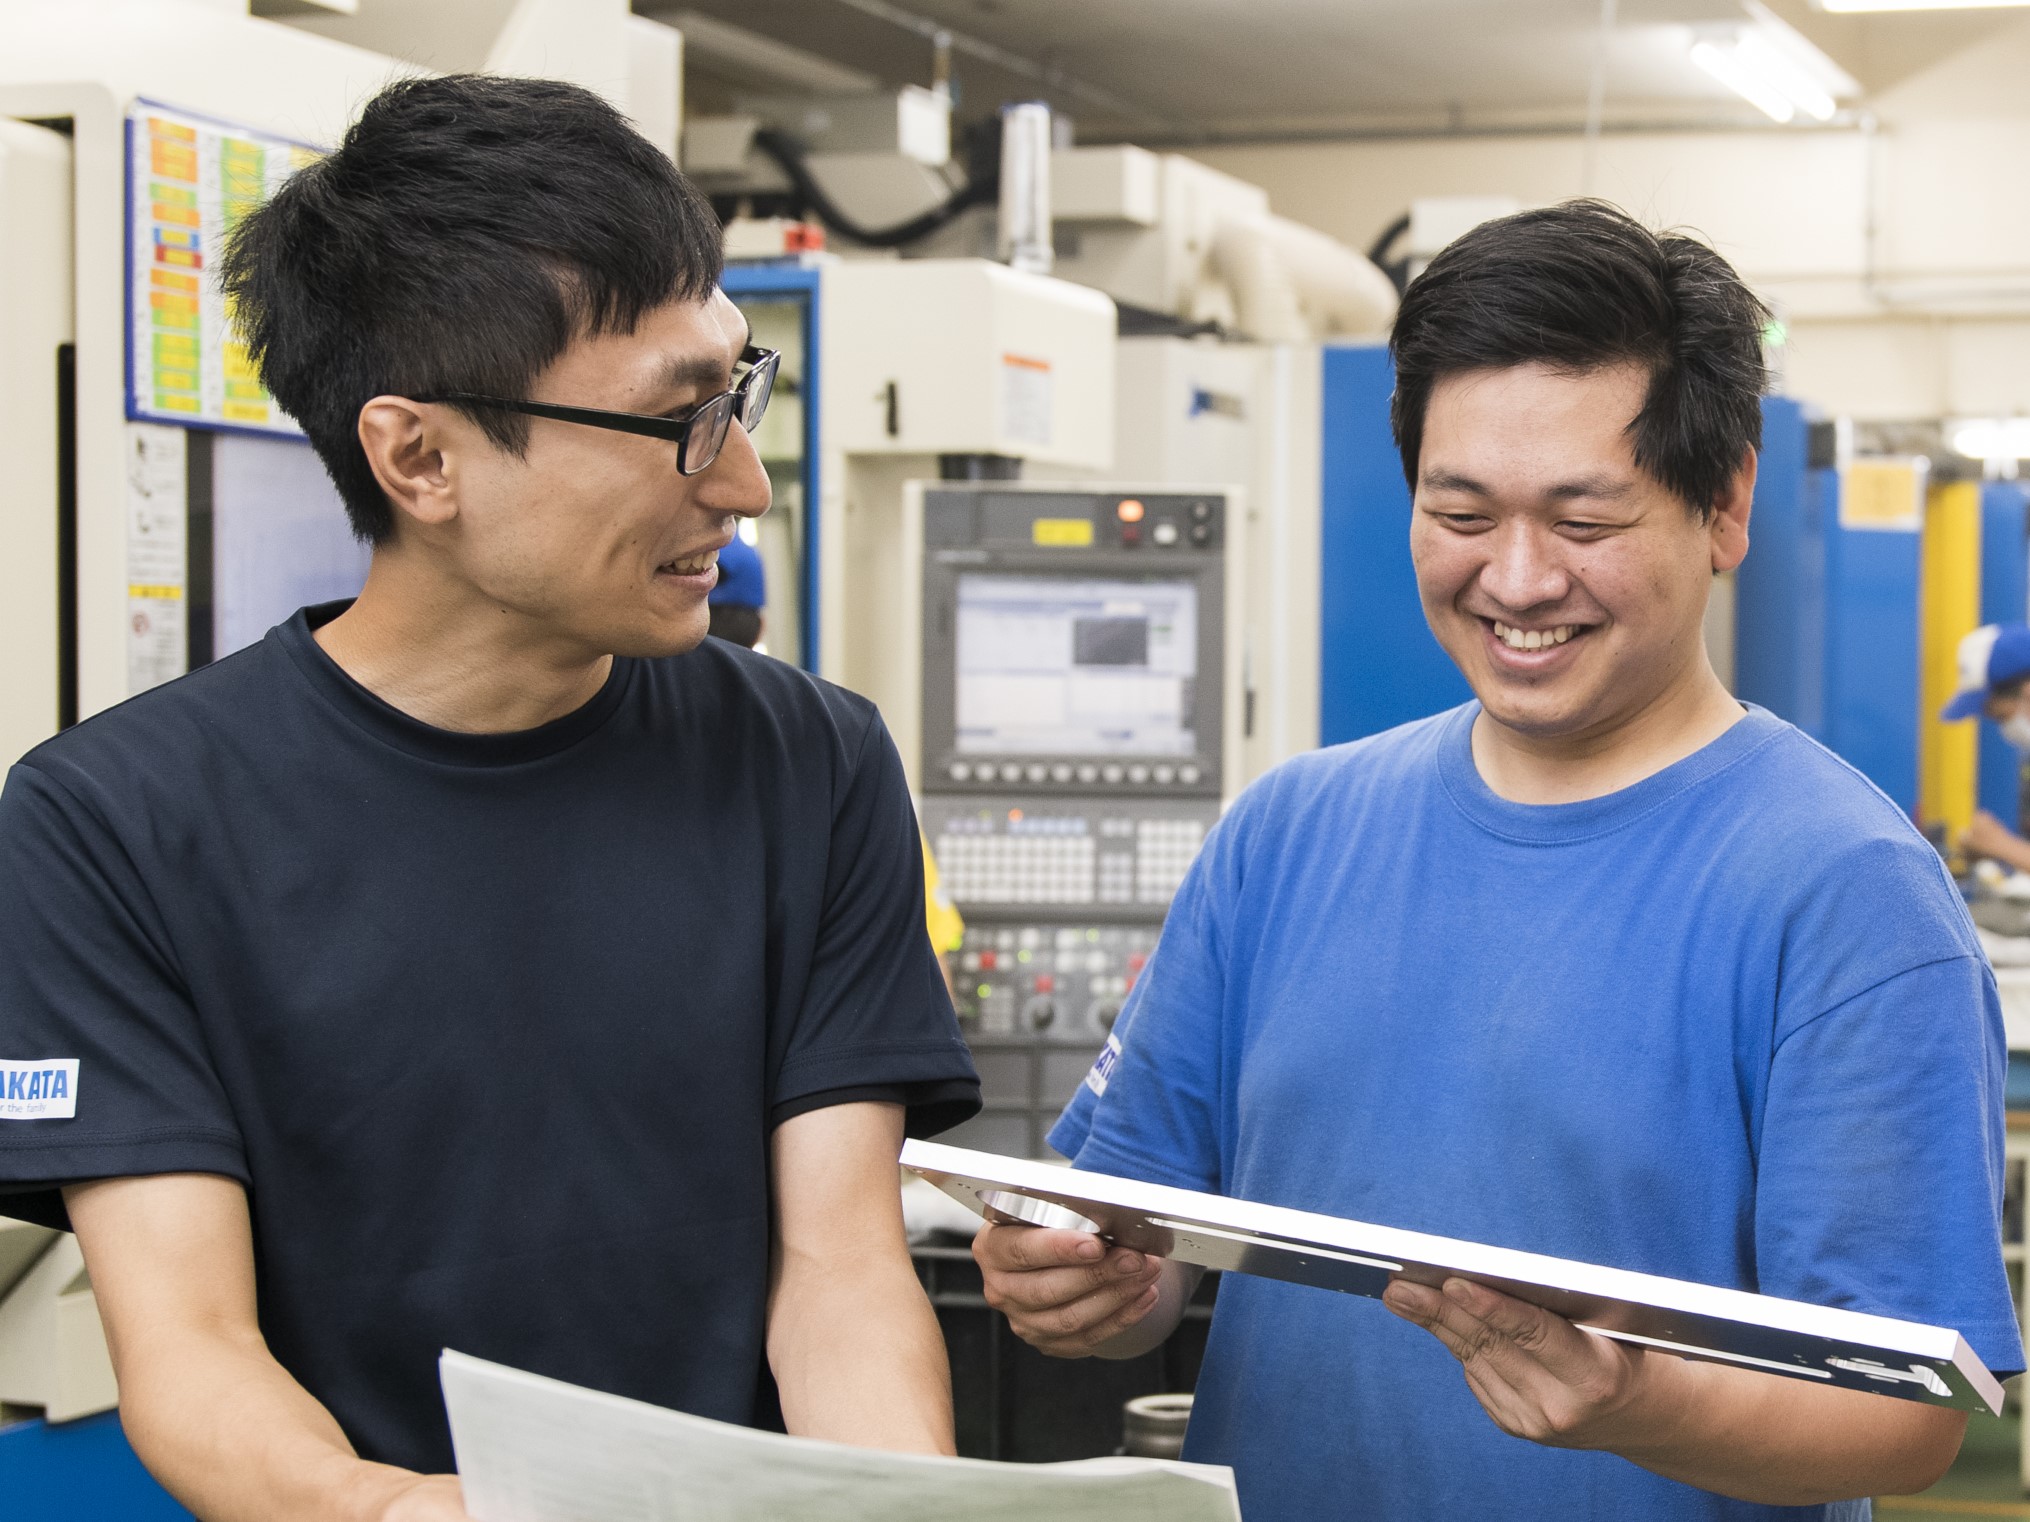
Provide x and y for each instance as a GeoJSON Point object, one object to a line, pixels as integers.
{"type": "Point", "coordinates": [1879, 1354]}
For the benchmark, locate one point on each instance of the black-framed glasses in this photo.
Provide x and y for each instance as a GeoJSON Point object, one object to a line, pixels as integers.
{"type": "Point", "coordinates": [699, 434]}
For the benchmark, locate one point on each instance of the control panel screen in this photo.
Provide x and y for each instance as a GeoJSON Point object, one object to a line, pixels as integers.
{"type": "Point", "coordinates": [1076, 666]}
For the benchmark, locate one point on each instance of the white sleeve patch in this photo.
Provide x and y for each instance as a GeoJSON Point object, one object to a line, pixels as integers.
{"type": "Point", "coordinates": [1103, 1065]}
{"type": "Point", "coordinates": [45, 1088]}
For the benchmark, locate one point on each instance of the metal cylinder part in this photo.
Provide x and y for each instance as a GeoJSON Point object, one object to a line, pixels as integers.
{"type": "Point", "coordinates": [1152, 1426]}
{"type": "Point", "coordinates": [1025, 187]}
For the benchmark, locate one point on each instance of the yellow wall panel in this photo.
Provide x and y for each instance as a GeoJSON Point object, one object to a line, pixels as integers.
{"type": "Point", "coordinates": [1951, 607]}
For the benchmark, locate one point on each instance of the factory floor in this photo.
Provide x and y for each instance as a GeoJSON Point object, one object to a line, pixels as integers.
{"type": "Point", "coordinates": [1983, 1483]}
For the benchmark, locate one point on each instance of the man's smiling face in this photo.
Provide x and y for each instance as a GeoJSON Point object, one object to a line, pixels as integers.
{"type": "Point", "coordinates": [591, 533]}
{"type": "Point", "coordinates": [1566, 583]}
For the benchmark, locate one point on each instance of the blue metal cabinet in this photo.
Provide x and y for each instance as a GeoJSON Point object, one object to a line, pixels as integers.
{"type": "Point", "coordinates": [799, 287]}
{"type": "Point", "coordinates": [1379, 665]}
{"type": "Point", "coordinates": [2005, 599]}
{"type": "Point", "coordinates": [80, 1471]}
{"type": "Point", "coordinates": [1780, 589]}
{"type": "Point", "coordinates": [1872, 652]}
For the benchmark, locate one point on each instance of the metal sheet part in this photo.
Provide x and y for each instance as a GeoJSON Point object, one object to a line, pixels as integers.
{"type": "Point", "coordinates": [1878, 1354]}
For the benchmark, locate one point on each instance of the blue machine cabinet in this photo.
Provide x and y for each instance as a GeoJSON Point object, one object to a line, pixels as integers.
{"type": "Point", "coordinates": [1873, 653]}
{"type": "Point", "coordinates": [80, 1471]}
{"type": "Point", "coordinates": [2005, 599]}
{"type": "Point", "coordinates": [1378, 665]}
{"type": "Point", "coordinates": [801, 287]}
{"type": "Point", "coordinates": [1781, 588]}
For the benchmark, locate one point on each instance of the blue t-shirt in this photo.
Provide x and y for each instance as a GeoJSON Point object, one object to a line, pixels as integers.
{"type": "Point", "coordinates": [1730, 1024]}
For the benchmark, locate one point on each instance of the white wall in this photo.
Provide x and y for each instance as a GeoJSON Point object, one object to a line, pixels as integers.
{"type": "Point", "coordinates": [1929, 316]}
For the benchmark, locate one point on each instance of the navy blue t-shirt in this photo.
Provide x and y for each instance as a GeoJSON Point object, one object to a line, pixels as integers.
{"type": "Point", "coordinates": [1730, 1024]}
{"type": "Point", "coordinates": [494, 1028]}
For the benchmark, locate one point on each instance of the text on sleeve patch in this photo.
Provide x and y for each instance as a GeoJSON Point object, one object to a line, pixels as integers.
{"type": "Point", "coordinates": [42, 1088]}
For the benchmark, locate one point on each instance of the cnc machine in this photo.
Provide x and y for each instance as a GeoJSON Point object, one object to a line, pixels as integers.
{"type": "Point", "coordinates": [1080, 726]}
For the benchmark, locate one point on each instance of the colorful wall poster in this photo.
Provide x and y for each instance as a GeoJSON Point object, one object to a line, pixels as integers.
{"type": "Point", "coordinates": [189, 182]}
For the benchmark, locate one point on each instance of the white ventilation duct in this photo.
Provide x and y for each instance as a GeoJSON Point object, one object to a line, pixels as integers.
{"type": "Point", "coordinates": [1293, 284]}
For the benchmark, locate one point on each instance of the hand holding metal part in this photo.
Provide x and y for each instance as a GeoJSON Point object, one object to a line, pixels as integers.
{"type": "Point", "coordinates": [1066, 1297]}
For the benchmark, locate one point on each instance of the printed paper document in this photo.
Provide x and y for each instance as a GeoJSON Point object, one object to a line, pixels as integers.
{"type": "Point", "coordinates": [532, 1449]}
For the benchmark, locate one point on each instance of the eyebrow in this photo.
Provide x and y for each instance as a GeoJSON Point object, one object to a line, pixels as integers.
{"type": "Point", "coordinates": [691, 370]}
{"type": "Point", "coordinates": [1584, 488]}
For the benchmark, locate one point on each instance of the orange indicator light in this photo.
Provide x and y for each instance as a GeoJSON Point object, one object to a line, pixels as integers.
{"type": "Point", "coordinates": [1130, 511]}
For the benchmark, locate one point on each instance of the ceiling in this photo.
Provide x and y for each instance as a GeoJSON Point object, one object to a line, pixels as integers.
{"type": "Point", "coordinates": [1184, 71]}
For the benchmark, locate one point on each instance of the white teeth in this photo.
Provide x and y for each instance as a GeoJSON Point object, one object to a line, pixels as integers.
{"type": "Point", "coordinates": [1533, 639]}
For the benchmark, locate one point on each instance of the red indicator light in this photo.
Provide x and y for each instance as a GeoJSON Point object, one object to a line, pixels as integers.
{"type": "Point", "coordinates": [1130, 511]}
{"type": "Point", "coordinates": [1045, 983]}
{"type": "Point", "coordinates": [988, 961]}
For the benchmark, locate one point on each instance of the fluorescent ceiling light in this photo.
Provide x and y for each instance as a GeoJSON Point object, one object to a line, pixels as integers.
{"type": "Point", "coordinates": [1725, 63]}
{"type": "Point", "coordinates": [1772, 64]}
{"type": "Point", "coordinates": [1918, 5]}
{"type": "Point", "coordinates": [1993, 438]}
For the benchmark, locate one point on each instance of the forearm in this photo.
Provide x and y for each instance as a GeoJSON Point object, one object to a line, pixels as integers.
{"type": "Point", "coordinates": [2011, 851]}
{"type": "Point", "coordinates": [1781, 1442]}
{"type": "Point", "coordinates": [857, 1354]}
{"type": "Point", "coordinates": [1175, 1286]}
{"type": "Point", "coordinates": [231, 1435]}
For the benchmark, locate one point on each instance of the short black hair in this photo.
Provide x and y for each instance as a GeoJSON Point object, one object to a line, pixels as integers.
{"type": "Point", "coordinates": [463, 233]}
{"type": "Point", "coordinates": [1581, 286]}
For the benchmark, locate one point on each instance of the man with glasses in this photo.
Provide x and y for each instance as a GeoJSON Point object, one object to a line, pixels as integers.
{"type": "Point", "coordinates": [492, 962]}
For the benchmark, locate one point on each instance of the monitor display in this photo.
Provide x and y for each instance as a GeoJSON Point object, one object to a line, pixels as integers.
{"type": "Point", "coordinates": [280, 540]}
{"type": "Point", "coordinates": [1076, 666]}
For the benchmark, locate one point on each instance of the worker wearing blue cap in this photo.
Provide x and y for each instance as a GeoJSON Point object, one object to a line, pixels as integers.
{"type": "Point", "coordinates": [1994, 671]}
{"type": "Point", "coordinates": [738, 599]}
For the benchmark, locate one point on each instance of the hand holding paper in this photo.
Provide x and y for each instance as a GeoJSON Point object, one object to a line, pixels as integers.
{"type": "Point", "coordinates": [539, 1450]}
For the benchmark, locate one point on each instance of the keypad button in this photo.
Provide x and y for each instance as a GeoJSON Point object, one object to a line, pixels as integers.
{"type": "Point", "coordinates": [960, 772]}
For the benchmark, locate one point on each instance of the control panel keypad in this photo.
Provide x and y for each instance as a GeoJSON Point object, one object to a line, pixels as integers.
{"type": "Point", "coordinates": [1059, 984]}
{"type": "Point", "coordinates": [1121, 857]}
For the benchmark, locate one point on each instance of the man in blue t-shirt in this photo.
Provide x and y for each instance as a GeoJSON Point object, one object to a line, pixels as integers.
{"type": "Point", "coordinates": [494, 961]}
{"type": "Point", "coordinates": [1601, 965]}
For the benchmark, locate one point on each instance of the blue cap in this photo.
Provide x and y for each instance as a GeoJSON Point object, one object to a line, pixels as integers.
{"type": "Point", "coordinates": [742, 583]}
{"type": "Point", "coordinates": [1988, 657]}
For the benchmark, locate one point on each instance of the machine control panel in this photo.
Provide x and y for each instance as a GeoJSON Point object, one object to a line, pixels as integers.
{"type": "Point", "coordinates": [1151, 522]}
{"type": "Point", "coordinates": [1037, 1000]}
{"type": "Point", "coordinates": [1061, 984]}
{"type": "Point", "coordinates": [1074, 641]}
{"type": "Point", "coordinates": [1028, 855]}
{"type": "Point", "coordinates": [1078, 676]}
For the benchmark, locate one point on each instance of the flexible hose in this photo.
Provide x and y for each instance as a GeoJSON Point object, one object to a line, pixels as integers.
{"type": "Point", "coordinates": [782, 150]}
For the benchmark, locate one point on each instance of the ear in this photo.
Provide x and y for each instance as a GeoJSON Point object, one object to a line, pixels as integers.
{"type": "Point", "coordinates": [1728, 527]}
{"type": "Point", "coordinates": [405, 444]}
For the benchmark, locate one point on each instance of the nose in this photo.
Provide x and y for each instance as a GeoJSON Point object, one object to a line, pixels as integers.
{"type": "Point", "coordinates": [1523, 569]}
{"type": "Point", "coordinates": [735, 483]}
